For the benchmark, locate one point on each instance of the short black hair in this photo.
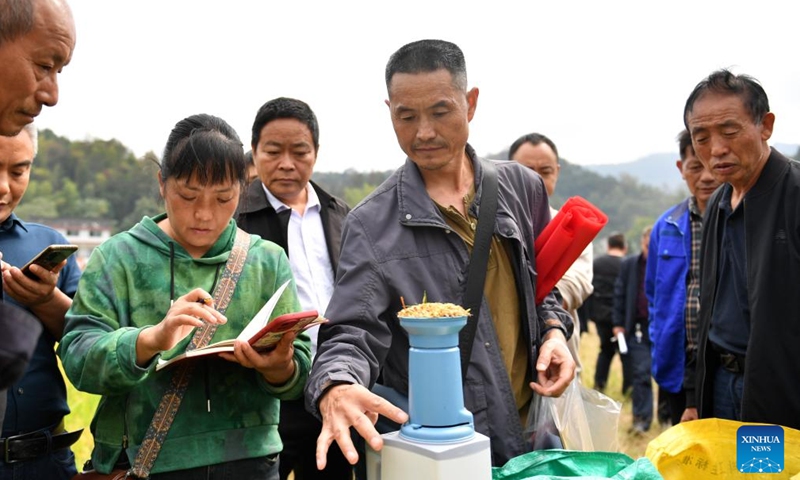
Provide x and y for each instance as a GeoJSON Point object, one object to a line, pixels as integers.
{"type": "Point", "coordinates": [724, 82]}
{"type": "Point", "coordinates": [534, 139]}
{"type": "Point", "coordinates": [684, 142]}
{"type": "Point", "coordinates": [284, 107]}
{"type": "Point", "coordinates": [424, 56]}
{"type": "Point", "coordinates": [16, 19]}
{"type": "Point", "coordinates": [616, 240]}
{"type": "Point", "coordinates": [204, 146]}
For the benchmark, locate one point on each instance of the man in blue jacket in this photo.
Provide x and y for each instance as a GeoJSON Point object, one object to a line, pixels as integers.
{"type": "Point", "coordinates": [672, 281]}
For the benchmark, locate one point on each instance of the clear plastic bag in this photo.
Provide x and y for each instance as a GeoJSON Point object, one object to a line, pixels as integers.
{"type": "Point", "coordinates": [541, 431]}
{"type": "Point", "coordinates": [582, 418]}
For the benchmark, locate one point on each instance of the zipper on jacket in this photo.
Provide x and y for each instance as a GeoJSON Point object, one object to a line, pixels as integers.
{"type": "Point", "coordinates": [206, 383]}
{"type": "Point", "coordinates": [207, 386]}
{"type": "Point", "coordinates": [125, 424]}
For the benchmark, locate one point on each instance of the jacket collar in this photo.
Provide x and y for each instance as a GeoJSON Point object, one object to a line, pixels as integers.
{"type": "Point", "coordinates": [416, 206]}
{"type": "Point", "coordinates": [773, 171]}
{"type": "Point", "coordinates": [679, 210]}
{"type": "Point", "coordinates": [255, 199]}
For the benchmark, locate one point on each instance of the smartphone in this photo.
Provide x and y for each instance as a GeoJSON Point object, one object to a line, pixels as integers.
{"type": "Point", "coordinates": [49, 258]}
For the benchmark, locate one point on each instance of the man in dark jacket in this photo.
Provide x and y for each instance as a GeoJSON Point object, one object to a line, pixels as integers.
{"type": "Point", "coordinates": [601, 307]}
{"type": "Point", "coordinates": [411, 238]}
{"type": "Point", "coordinates": [631, 319]}
{"type": "Point", "coordinates": [746, 365]}
{"type": "Point", "coordinates": [285, 207]}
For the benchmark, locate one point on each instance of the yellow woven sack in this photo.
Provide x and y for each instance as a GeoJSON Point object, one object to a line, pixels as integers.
{"type": "Point", "coordinates": [706, 449]}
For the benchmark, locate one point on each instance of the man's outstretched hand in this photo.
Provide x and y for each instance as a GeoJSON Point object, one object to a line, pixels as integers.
{"type": "Point", "coordinates": [348, 405]}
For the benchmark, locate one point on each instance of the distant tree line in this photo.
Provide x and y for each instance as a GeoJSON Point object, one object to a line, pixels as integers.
{"type": "Point", "coordinates": [102, 179]}
{"type": "Point", "coordinates": [90, 179]}
{"type": "Point", "coordinates": [629, 204]}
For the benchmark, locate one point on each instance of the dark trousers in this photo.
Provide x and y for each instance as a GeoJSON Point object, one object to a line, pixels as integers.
{"type": "Point", "coordinates": [299, 431]}
{"type": "Point", "coordinates": [3, 400]}
{"type": "Point", "coordinates": [728, 391]}
{"type": "Point", "coordinates": [59, 465]}
{"type": "Point", "coordinates": [639, 361]}
{"type": "Point", "coordinates": [607, 351]}
{"type": "Point", "coordinates": [664, 413]}
{"type": "Point", "coordinates": [677, 404]}
{"type": "Point", "coordinates": [262, 468]}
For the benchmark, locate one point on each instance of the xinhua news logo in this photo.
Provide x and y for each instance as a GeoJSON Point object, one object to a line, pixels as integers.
{"type": "Point", "coordinates": [759, 449]}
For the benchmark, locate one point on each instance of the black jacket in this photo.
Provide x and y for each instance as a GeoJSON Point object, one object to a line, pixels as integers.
{"type": "Point", "coordinates": [772, 242]}
{"type": "Point", "coordinates": [256, 215]}
{"type": "Point", "coordinates": [626, 295]}
{"type": "Point", "coordinates": [601, 301]}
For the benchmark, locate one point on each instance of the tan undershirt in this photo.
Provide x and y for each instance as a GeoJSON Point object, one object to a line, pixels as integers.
{"type": "Point", "coordinates": [501, 292]}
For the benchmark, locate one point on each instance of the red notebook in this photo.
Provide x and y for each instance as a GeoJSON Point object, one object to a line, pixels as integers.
{"type": "Point", "coordinates": [260, 333]}
{"type": "Point", "coordinates": [273, 331]}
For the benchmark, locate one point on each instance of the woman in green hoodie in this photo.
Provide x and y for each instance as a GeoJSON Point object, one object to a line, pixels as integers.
{"type": "Point", "coordinates": [142, 296]}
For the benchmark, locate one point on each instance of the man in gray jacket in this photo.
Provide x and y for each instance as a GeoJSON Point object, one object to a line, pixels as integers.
{"type": "Point", "coordinates": [412, 237]}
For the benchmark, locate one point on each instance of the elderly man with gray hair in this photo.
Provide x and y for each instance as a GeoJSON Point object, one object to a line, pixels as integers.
{"type": "Point", "coordinates": [37, 38]}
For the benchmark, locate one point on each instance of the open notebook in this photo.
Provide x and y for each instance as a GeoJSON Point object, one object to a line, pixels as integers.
{"type": "Point", "coordinates": [261, 332]}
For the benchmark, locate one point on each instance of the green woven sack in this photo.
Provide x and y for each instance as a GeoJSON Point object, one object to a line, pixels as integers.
{"type": "Point", "coordinates": [563, 464]}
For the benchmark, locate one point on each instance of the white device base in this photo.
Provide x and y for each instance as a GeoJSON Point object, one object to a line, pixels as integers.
{"type": "Point", "coordinates": [401, 459]}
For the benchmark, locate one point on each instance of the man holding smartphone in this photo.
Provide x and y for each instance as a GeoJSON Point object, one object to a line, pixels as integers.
{"type": "Point", "coordinates": [35, 444]}
{"type": "Point", "coordinates": [37, 38]}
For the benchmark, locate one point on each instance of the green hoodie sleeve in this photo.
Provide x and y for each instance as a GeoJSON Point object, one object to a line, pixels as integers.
{"type": "Point", "coordinates": [98, 353]}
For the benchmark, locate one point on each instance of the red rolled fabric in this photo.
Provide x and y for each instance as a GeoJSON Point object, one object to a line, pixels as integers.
{"type": "Point", "coordinates": [563, 240]}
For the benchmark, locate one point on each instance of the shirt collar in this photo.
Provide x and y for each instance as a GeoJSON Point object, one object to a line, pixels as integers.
{"type": "Point", "coordinates": [725, 198]}
{"type": "Point", "coordinates": [693, 208]}
{"type": "Point", "coordinates": [11, 221]}
{"type": "Point", "coordinates": [279, 206]}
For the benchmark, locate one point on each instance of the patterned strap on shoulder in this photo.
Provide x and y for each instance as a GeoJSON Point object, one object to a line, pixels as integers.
{"type": "Point", "coordinates": [171, 401]}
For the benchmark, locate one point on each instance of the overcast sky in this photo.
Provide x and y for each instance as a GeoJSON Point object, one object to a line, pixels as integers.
{"type": "Point", "coordinates": [606, 80]}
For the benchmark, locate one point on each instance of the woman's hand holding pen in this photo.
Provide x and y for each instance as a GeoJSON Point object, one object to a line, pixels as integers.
{"type": "Point", "coordinates": [194, 309]}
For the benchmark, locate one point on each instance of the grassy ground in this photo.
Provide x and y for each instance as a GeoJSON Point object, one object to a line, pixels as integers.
{"type": "Point", "coordinates": [83, 405]}
{"type": "Point", "coordinates": [631, 444]}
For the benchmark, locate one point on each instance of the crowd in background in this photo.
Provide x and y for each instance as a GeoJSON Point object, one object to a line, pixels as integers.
{"type": "Point", "coordinates": [708, 307]}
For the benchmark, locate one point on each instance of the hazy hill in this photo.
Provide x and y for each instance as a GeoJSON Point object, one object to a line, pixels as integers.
{"type": "Point", "coordinates": [658, 169]}
{"type": "Point", "coordinates": [629, 204]}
